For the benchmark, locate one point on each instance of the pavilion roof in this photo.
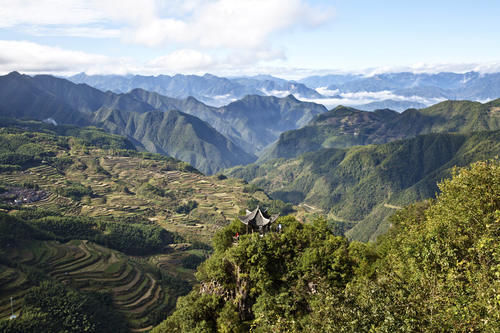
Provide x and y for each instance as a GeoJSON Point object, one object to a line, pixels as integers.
{"type": "Point", "coordinates": [258, 218]}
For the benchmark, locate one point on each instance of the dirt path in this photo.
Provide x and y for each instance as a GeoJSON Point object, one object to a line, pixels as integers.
{"type": "Point", "coordinates": [310, 208]}
{"type": "Point", "coordinates": [392, 206]}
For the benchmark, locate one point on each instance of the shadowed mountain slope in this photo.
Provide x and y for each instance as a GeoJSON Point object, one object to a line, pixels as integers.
{"type": "Point", "coordinates": [185, 137]}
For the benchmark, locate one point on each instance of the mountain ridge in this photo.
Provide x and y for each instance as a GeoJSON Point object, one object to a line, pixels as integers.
{"type": "Point", "coordinates": [46, 97]}
{"type": "Point", "coordinates": [346, 126]}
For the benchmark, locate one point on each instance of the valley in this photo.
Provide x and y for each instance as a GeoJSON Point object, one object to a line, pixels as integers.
{"type": "Point", "coordinates": [235, 166]}
{"type": "Point", "coordinates": [127, 201]}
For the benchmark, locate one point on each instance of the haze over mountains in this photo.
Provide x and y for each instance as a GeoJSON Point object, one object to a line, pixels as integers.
{"type": "Point", "coordinates": [218, 139]}
{"type": "Point", "coordinates": [210, 89]}
{"type": "Point", "coordinates": [397, 91]}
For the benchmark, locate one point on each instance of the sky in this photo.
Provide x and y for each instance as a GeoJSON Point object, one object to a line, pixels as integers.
{"type": "Point", "coordinates": [286, 38]}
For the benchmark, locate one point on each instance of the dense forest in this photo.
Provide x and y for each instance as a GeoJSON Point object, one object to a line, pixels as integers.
{"type": "Point", "coordinates": [435, 270]}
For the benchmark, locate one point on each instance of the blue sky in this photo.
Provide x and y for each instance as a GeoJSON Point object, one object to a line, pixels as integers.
{"type": "Point", "coordinates": [287, 38]}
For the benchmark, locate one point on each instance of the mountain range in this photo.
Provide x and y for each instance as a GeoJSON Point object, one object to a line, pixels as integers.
{"type": "Point", "coordinates": [210, 89]}
{"type": "Point", "coordinates": [252, 122]}
{"type": "Point", "coordinates": [470, 85]}
{"type": "Point", "coordinates": [347, 162]}
{"type": "Point", "coordinates": [209, 138]}
{"type": "Point", "coordinates": [173, 133]}
{"type": "Point", "coordinates": [397, 91]}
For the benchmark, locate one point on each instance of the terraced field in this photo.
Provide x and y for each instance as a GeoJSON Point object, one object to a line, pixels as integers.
{"type": "Point", "coordinates": [116, 183]}
{"type": "Point", "coordinates": [139, 189]}
{"type": "Point", "coordinates": [135, 287]}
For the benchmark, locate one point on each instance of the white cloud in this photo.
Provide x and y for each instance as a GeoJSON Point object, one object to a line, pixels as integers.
{"type": "Point", "coordinates": [239, 31]}
{"type": "Point", "coordinates": [327, 92]}
{"type": "Point", "coordinates": [234, 24]}
{"type": "Point", "coordinates": [364, 97]}
{"type": "Point", "coordinates": [181, 61]}
{"type": "Point", "coordinates": [32, 58]}
{"type": "Point", "coordinates": [29, 57]}
{"type": "Point", "coordinates": [241, 24]}
{"type": "Point", "coordinates": [88, 32]}
{"type": "Point", "coordinates": [47, 12]}
{"type": "Point", "coordinates": [434, 68]}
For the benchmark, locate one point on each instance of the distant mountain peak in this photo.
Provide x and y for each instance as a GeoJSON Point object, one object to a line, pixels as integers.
{"type": "Point", "coordinates": [192, 99]}
{"type": "Point", "coordinates": [15, 74]}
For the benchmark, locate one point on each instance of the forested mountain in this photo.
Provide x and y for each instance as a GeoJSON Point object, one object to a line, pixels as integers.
{"type": "Point", "coordinates": [177, 134]}
{"type": "Point", "coordinates": [186, 137]}
{"type": "Point", "coordinates": [436, 270]}
{"type": "Point", "coordinates": [345, 127]}
{"type": "Point", "coordinates": [21, 97]}
{"type": "Point", "coordinates": [257, 121]}
{"type": "Point", "coordinates": [252, 122]}
{"type": "Point", "coordinates": [210, 89]}
{"type": "Point", "coordinates": [361, 186]}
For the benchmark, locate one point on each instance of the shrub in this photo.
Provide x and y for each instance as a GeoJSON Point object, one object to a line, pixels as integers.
{"type": "Point", "coordinates": [187, 207]}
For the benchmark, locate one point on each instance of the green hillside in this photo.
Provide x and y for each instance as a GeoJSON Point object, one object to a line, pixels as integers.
{"type": "Point", "coordinates": [345, 127]}
{"type": "Point", "coordinates": [361, 186]}
{"type": "Point", "coordinates": [436, 271]}
{"type": "Point", "coordinates": [189, 139]}
{"type": "Point", "coordinates": [83, 213]}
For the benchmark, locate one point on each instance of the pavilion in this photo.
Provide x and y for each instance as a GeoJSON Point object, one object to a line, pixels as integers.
{"type": "Point", "coordinates": [258, 220]}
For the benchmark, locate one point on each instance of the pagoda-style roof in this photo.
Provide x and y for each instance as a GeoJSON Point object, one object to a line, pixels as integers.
{"type": "Point", "coordinates": [257, 218]}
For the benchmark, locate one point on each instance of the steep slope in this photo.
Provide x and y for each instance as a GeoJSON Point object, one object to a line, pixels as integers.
{"type": "Point", "coordinates": [252, 122]}
{"type": "Point", "coordinates": [21, 97]}
{"type": "Point", "coordinates": [257, 121]}
{"type": "Point", "coordinates": [188, 138]}
{"type": "Point", "coordinates": [436, 271]}
{"type": "Point", "coordinates": [344, 127]}
{"type": "Point", "coordinates": [42, 97]}
{"type": "Point", "coordinates": [362, 185]}
{"type": "Point", "coordinates": [339, 128]}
